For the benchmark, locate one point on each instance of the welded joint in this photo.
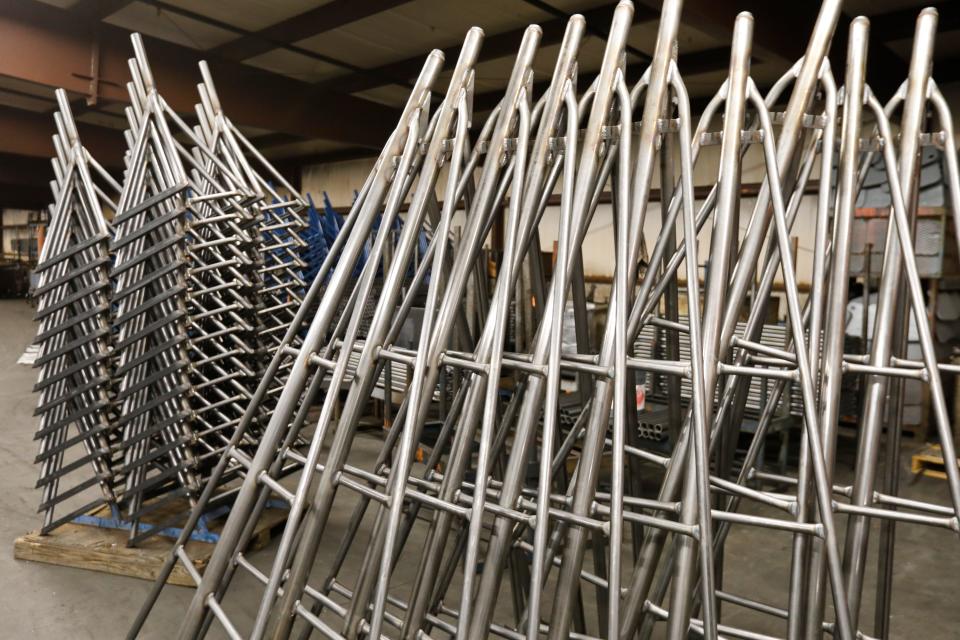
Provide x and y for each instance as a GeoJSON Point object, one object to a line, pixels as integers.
{"type": "Point", "coordinates": [843, 490]}
{"type": "Point", "coordinates": [324, 363]}
{"type": "Point", "coordinates": [557, 143]}
{"type": "Point", "coordinates": [937, 139]}
{"type": "Point", "coordinates": [611, 132]}
{"type": "Point", "coordinates": [747, 136]}
{"type": "Point", "coordinates": [604, 528]}
{"type": "Point", "coordinates": [479, 368]}
{"type": "Point", "coordinates": [665, 125]}
{"type": "Point", "coordinates": [807, 121]}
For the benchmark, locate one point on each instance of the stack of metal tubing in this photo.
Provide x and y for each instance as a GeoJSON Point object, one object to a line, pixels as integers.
{"type": "Point", "coordinates": [491, 530]}
{"type": "Point", "coordinates": [73, 333]}
{"type": "Point", "coordinates": [223, 281]}
{"type": "Point", "coordinates": [279, 248]}
{"type": "Point", "coordinates": [278, 211]}
{"type": "Point", "coordinates": [155, 328]}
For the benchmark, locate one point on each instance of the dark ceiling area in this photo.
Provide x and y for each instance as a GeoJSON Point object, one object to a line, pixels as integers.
{"type": "Point", "coordinates": [312, 82]}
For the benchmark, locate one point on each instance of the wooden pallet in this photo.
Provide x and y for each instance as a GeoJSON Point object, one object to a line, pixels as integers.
{"type": "Point", "coordinates": [929, 462]}
{"type": "Point", "coordinates": [101, 549]}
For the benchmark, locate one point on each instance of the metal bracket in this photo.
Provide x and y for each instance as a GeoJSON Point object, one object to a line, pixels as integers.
{"type": "Point", "coordinates": [747, 136]}
{"type": "Point", "coordinates": [936, 139]}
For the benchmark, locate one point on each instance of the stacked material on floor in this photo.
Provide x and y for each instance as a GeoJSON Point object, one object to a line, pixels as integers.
{"type": "Point", "coordinates": [75, 401]}
{"type": "Point", "coordinates": [156, 328]}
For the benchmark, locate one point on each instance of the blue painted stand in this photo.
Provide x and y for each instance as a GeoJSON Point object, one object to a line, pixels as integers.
{"type": "Point", "coordinates": [201, 533]}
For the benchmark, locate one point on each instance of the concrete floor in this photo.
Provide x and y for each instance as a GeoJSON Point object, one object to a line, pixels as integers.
{"type": "Point", "coordinates": [48, 602]}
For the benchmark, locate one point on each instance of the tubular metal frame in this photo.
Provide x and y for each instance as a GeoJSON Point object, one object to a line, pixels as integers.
{"type": "Point", "coordinates": [73, 333]}
{"type": "Point", "coordinates": [153, 329]}
{"type": "Point", "coordinates": [494, 504]}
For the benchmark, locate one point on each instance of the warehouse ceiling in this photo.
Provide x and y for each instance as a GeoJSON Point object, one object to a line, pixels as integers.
{"type": "Point", "coordinates": [319, 80]}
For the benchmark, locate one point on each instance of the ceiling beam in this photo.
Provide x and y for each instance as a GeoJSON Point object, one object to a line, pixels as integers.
{"type": "Point", "coordinates": [494, 46]}
{"type": "Point", "coordinates": [99, 9]}
{"type": "Point", "coordinates": [243, 33]}
{"type": "Point", "coordinates": [60, 54]}
{"type": "Point", "coordinates": [30, 134]}
{"type": "Point", "coordinates": [319, 20]}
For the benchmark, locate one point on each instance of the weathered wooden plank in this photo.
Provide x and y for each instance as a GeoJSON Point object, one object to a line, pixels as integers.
{"type": "Point", "coordinates": [99, 549]}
